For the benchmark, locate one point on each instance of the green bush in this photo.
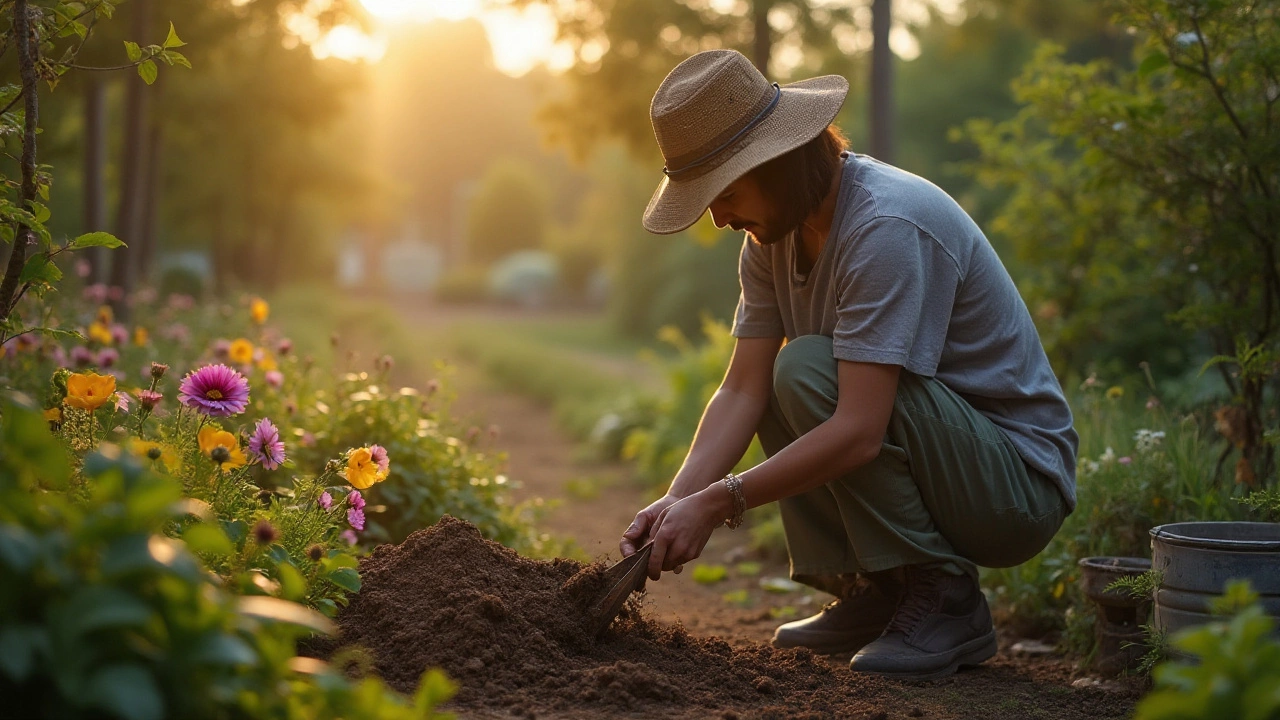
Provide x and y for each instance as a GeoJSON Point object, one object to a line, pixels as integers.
{"type": "Point", "coordinates": [103, 615]}
{"type": "Point", "coordinates": [1234, 671]}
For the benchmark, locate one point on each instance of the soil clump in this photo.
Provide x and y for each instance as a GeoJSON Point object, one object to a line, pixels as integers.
{"type": "Point", "coordinates": [513, 633]}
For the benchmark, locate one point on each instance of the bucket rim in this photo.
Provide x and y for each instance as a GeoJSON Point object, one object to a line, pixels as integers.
{"type": "Point", "coordinates": [1175, 534]}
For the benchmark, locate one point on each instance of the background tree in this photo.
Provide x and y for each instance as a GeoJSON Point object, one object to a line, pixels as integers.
{"type": "Point", "coordinates": [508, 213]}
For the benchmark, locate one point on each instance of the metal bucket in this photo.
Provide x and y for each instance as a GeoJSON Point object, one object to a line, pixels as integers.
{"type": "Point", "coordinates": [1196, 559]}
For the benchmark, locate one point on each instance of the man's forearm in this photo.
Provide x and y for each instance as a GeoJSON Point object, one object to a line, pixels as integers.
{"type": "Point", "coordinates": [724, 434]}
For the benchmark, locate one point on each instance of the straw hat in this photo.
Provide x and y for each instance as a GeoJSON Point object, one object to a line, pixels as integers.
{"type": "Point", "coordinates": [716, 117]}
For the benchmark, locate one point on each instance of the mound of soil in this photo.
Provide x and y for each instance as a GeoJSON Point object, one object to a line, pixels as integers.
{"type": "Point", "coordinates": [511, 631]}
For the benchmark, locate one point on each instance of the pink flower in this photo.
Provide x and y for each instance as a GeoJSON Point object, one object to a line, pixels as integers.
{"type": "Point", "coordinates": [149, 398]}
{"type": "Point", "coordinates": [349, 536]}
{"type": "Point", "coordinates": [177, 332]}
{"type": "Point", "coordinates": [355, 516]}
{"type": "Point", "coordinates": [119, 334]}
{"type": "Point", "coordinates": [82, 356]}
{"type": "Point", "coordinates": [1125, 460]}
{"type": "Point", "coordinates": [380, 458]}
{"type": "Point", "coordinates": [181, 302]}
{"type": "Point", "coordinates": [122, 401]}
{"type": "Point", "coordinates": [308, 439]}
{"type": "Point", "coordinates": [265, 445]}
{"type": "Point", "coordinates": [355, 500]}
{"type": "Point", "coordinates": [275, 378]}
{"type": "Point", "coordinates": [107, 357]}
{"type": "Point", "coordinates": [222, 347]}
{"type": "Point", "coordinates": [95, 294]}
{"type": "Point", "coordinates": [83, 268]}
{"type": "Point", "coordinates": [326, 500]}
{"type": "Point", "coordinates": [285, 347]}
{"type": "Point", "coordinates": [59, 356]}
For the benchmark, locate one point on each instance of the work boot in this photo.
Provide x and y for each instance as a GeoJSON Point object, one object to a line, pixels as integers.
{"type": "Point", "coordinates": [858, 616]}
{"type": "Point", "coordinates": [942, 623]}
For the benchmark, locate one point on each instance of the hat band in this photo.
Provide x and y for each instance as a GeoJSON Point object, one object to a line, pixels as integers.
{"type": "Point", "coordinates": [777, 95]}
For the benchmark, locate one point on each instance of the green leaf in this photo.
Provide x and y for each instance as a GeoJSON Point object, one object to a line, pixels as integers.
{"type": "Point", "coordinates": [434, 688]}
{"type": "Point", "coordinates": [141, 552]}
{"type": "Point", "coordinates": [103, 606]}
{"type": "Point", "coordinates": [96, 239]}
{"type": "Point", "coordinates": [1152, 63]}
{"type": "Point", "coordinates": [41, 213]}
{"type": "Point", "coordinates": [176, 58]}
{"type": "Point", "coordinates": [709, 574]}
{"type": "Point", "coordinates": [276, 610]}
{"type": "Point", "coordinates": [135, 52]}
{"type": "Point", "coordinates": [126, 691]}
{"type": "Point", "coordinates": [147, 70]}
{"type": "Point", "coordinates": [216, 648]}
{"type": "Point", "coordinates": [18, 548]}
{"type": "Point", "coordinates": [345, 578]}
{"type": "Point", "coordinates": [39, 269]}
{"type": "Point", "coordinates": [172, 40]}
{"type": "Point", "coordinates": [208, 539]}
{"type": "Point", "coordinates": [292, 585]}
{"type": "Point", "coordinates": [19, 645]}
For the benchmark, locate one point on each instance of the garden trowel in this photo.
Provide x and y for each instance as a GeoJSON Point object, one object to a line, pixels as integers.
{"type": "Point", "coordinates": [624, 578]}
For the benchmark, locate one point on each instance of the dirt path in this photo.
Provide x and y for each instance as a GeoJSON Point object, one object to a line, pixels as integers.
{"type": "Point", "coordinates": [591, 503]}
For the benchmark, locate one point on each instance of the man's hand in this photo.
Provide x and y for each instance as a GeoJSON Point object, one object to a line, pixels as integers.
{"type": "Point", "coordinates": [683, 528]}
{"type": "Point", "coordinates": [645, 521]}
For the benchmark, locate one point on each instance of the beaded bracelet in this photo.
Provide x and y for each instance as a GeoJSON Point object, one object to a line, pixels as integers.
{"type": "Point", "coordinates": [733, 484]}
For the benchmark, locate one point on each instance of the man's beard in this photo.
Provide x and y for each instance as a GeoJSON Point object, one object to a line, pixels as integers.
{"type": "Point", "coordinates": [766, 234]}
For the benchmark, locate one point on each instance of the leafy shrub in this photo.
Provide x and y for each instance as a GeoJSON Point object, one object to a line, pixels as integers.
{"type": "Point", "coordinates": [103, 615]}
{"type": "Point", "coordinates": [1234, 671]}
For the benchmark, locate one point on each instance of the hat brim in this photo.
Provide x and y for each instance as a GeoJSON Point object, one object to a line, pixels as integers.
{"type": "Point", "coordinates": [804, 110]}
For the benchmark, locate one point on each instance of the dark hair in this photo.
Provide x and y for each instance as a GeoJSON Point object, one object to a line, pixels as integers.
{"type": "Point", "coordinates": [799, 180]}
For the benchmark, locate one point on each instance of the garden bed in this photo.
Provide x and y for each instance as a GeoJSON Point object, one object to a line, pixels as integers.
{"type": "Point", "coordinates": [511, 631]}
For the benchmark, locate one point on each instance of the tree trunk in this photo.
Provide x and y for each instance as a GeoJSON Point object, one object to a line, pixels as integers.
{"type": "Point", "coordinates": [762, 43]}
{"type": "Point", "coordinates": [133, 164]}
{"type": "Point", "coordinates": [94, 199]}
{"type": "Point", "coordinates": [28, 55]}
{"type": "Point", "coordinates": [881, 82]}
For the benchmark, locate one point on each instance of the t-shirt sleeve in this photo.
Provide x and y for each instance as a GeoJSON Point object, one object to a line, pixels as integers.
{"type": "Point", "coordinates": [757, 314]}
{"type": "Point", "coordinates": [894, 290]}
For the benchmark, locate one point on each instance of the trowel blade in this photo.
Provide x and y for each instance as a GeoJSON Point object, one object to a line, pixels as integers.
{"type": "Point", "coordinates": [625, 577]}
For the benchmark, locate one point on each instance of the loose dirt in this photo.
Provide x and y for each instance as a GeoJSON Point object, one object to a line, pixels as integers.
{"type": "Point", "coordinates": [511, 631]}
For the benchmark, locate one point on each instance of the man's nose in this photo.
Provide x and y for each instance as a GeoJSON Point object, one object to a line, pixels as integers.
{"type": "Point", "coordinates": [719, 217]}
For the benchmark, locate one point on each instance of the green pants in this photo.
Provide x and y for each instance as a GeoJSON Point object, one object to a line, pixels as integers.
{"type": "Point", "coordinates": [948, 487]}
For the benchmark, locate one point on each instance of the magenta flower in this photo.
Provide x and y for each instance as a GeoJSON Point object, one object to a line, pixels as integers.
{"type": "Point", "coordinates": [349, 536]}
{"type": "Point", "coordinates": [355, 516]}
{"type": "Point", "coordinates": [380, 458]}
{"type": "Point", "coordinates": [355, 500]}
{"type": "Point", "coordinates": [275, 378]}
{"type": "Point", "coordinates": [326, 500]}
{"type": "Point", "coordinates": [265, 445]}
{"type": "Point", "coordinates": [215, 390]}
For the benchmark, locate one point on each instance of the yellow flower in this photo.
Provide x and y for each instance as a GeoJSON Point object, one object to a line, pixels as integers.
{"type": "Point", "coordinates": [211, 438]}
{"type": "Point", "coordinates": [140, 336]}
{"type": "Point", "coordinates": [99, 332]}
{"type": "Point", "coordinates": [259, 309]}
{"type": "Point", "coordinates": [53, 415]}
{"type": "Point", "coordinates": [241, 352]}
{"type": "Point", "coordinates": [88, 391]}
{"type": "Point", "coordinates": [1115, 392]}
{"type": "Point", "coordinates": [268, 362]}
{"type": "Point", "coordinates": [105, 316]}
{"type": "Point", "coordinates": [146, 449]}
{"type": "Point", "coordinates": [362, 472]}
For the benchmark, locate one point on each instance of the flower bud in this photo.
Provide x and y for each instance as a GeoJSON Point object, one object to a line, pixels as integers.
{"type": "Point", "coordinates": [153, 453]}
{"type": "Point", "coordinates": [264, 533]}
{"type": "Point", "coordinates": [220, 455]}
{"type": "Point", "coordinates": [315, 552]}
{"type": "Point", "coordinates": [158, 370]}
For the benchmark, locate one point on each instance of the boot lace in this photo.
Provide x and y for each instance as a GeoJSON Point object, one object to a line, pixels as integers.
{"type": "Point", "coordinates": [918, 600]}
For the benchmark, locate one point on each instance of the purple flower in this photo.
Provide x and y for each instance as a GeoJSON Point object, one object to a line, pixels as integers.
{"type": "Point", "coordinates": [119, 334]}
{"type": "Point", "coordinates": [355, 500]}
{"type": "Point", "coordinates": [215, 390]}
{"type": "Point", "coordinates": [96, 294]}
{"type": "Point", "coordinates": [380, 458]}
{"type": "Point", "coordinates": [265, 445]}
{"type": "Point", "coordinates": [82, 356]}
{"type": "Point", "coordinates": [107, 357]}
{"type": "Point", "coordinates": [355, 516]}
{"type": "Point", "coordinates": [275, 378]}
{"type": "Point", "coordinates": [59, 356]}
{"type": "Point", "coordinates": [349, 536]}
{"type": "Point", "coordinates": [326, 500]}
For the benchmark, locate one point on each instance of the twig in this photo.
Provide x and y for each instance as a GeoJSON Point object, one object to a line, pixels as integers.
{"type": "Point", "coordinates": [24, 236]}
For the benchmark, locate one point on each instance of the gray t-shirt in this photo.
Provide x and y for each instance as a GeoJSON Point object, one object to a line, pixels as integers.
{"type": "Point", "coordinates": [906, 278]}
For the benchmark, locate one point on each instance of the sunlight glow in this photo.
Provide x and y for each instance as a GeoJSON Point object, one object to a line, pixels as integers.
{"type": "Point", "coordinates": [521, 39]}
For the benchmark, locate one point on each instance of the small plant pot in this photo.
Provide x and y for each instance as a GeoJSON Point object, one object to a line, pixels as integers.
{"type": "Point", "coordinates": [1120, 616]}
{"type": "Point", "coordinates": [1196, 559]}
